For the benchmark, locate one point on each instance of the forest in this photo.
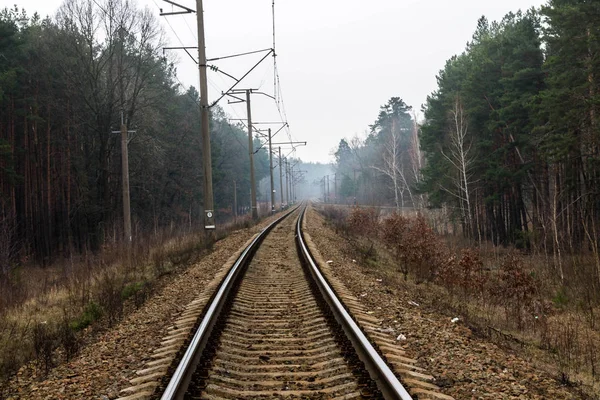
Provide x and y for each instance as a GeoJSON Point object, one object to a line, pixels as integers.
{"type": "Point", "coordinates": [508, 145]}
{"type": "Point", "coordinates": [502, 157]}
{"type": "Point", "coordinates": [66, 84]}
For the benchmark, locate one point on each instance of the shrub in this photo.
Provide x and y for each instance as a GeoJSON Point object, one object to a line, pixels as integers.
{"type": "Point", "coordinates": [44, 342]}
{"type": "Point", "coordinates": [363, 223]}
{"type": "Point", "coordinates": [416, 247]}
{"type": "Point", "coordinates": [448, 274]}
{"type": "Point", "coordinates": [15, 345]}
{"type": "Point", "coordinates": [68, 339]}
{"type": "Point", "coordinates": [137, 290]}
{"type": "Point", "coordinates": [336, 216]}
{"type": "Point", "coordinates": [426, 253]}
{"type": "Point", "coordinates": [472, 277]}
{"type": "Point", "coordinates": [91, 313]}
{"type": "Point", "coordinates": [395, 231]}
{"type": "Point", "coordinates": [516, 289]}
{"type": "Point", "coordinates": [108, 293]}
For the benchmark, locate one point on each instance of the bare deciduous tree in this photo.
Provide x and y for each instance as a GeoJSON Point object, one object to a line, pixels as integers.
{"type": "Point", "coordinates": [460, 157]}
{"type": "Point", "coordinates": [393, 167]}
{"type": "Point", "coordinates": [111, 68]}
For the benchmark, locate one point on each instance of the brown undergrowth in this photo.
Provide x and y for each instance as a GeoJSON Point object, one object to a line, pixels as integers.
{"type": "Point", "coordinates": [506, 295]}
{"type": "Point", "coordinates": [46, 313]}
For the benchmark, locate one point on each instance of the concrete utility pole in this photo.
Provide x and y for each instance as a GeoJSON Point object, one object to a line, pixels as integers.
{"type": "Point", "coordinates": [280, 181]}
{"type": "Point", "coordinates": [125, 170]}
{"type": "Point", "coordinates": [355, 185]}
{"type": "Point", "coordinates": [125, 180]}
{"type": "Point", "coordinates": [209, 212]}
{"type": "Point", "coordinates": [234, 202]}
{"type": "Point", "coordinates": [271, 172]}
{"type": "Point", "coordinates": [287, 182]}
{"type": "Point", "coordinates": [335, 188]}
{"type": "Point", "coordinates": [292, 184]}
{"type": "Point", "coordinates": [251, 154]}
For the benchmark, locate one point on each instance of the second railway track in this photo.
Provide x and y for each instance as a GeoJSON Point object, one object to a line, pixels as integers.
{"type": "Point", "coordinates": [271, 330]}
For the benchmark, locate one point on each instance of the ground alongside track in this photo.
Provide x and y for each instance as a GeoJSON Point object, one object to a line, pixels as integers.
{"type": "Point", "coordinates": [464, 366]}
{"type": "Point", "coordinates": [106, 365]}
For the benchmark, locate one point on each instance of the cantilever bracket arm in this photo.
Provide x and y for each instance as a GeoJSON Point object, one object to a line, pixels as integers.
{"type": "Point", "coordinates": [187, 10]}
{"type": "Point", "coordinates": [265, 94]}
{"type": "Point", "coordinates": [291, 143]}
{"type": "Point", "coordinates": [239, 100]}
{"type": "Point", "coordinates": [279, 130]}
{"type": "Point", "coordinates": [245, 75]}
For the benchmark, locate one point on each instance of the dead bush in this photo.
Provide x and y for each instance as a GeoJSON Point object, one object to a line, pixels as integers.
{"type": "Point", "coordinates": [472, 276]}
{"type": "Point", "coordinates": [448, 275]}
{"type": "Point", "coordinates": [44, 343]}
{"type": "Point", "coordinates": [15, 346]}
{"type": "Point", "coordinates": [336, 216]}
{"type": "Point", "coordinates": [161, 262]}
{"type": "Point", "coordinates": [395, 231]}
{"type": "Point", "coordinates": [67, 337]}
{"type": "Point", "coordinates": [516, 289]}
{"type": "Point", "coordinates": [363, 226]}
{"type": "Point", "coordinates": [426, 254]}
{"type": "Point", "coordinates": [108, 292]}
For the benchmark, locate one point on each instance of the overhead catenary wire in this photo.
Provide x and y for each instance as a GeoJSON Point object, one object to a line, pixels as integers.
{"type": "Point", "coordinates": [190, 29]}
{"type": "Point", "coordinates": [277, 81]}
{"type": "Point", "coordinates": [274, 53]}
{"type": "Point", "coordinates": [278, 97]}
{"type": "Point", "coordinates": [211, 83]}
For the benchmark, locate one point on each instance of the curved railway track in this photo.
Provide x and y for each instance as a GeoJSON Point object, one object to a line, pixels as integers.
{"type": "Point", "coordinates": [273, 327]}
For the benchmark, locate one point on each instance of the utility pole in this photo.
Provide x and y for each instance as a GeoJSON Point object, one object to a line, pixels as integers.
{"type": "Point", "coordinates": [287, 182]}
{"type": "Point", "coordinates": [251, 154]}
{"type": "Point", "coordinates": [234, 201]}
{"type": "Point", "coordinates": [292, 184]}
{"type": "Point", "coordinates": [125, 180]}
{"type": "Point", "coordinates": [125, 170]}
{"type": "Point", "coordinates": [355, 185]}
{"type": "Point", "coordinates": [202, 65]}
{"type": "Point", "coordinates": [335, 188]}
{"type": "Point", "coordinates": [209, 212]}
{"type": "Point", "coordinates": [271, 173]}
{"type": "Point", "coordinates": [280, 181]}
{"type": "Point", "coordinates": [328, 188]}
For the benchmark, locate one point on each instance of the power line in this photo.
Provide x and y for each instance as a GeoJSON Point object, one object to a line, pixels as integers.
{"type": "Point", "coordinates": [190, 29]}
{"type": "Point", "coordinates": [280, 105]}
{"type": "Point", "coordinates": [276, 80]}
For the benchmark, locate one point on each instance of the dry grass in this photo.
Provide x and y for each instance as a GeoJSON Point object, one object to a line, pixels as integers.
{"type": "Point", "coordinates": [513, 298]}
{"type": "Point", "coordinates": [45, 312]}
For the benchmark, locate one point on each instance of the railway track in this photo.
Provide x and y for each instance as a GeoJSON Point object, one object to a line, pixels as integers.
{"type": "Point", "coordinates": [271, 326]}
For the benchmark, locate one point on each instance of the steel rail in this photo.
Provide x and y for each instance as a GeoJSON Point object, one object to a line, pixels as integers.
{"type": "Point", "coordinates": [386, 381]}
{"type": "Point", "coordinates": [180, 379]}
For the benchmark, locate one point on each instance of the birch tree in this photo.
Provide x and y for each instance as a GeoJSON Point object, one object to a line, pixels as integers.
{"type": "Point", "coordinates": [416, 159]}
{"type": "Point", "coordinates": [461, 158]}
{"type": "Point", "coordinates": [390, 138]}
{"type": "Point", "coordinates": [391, 168]}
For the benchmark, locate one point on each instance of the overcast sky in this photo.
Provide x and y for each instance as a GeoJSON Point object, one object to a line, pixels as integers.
{"type": "Point", "coordinates": [338, 60]}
